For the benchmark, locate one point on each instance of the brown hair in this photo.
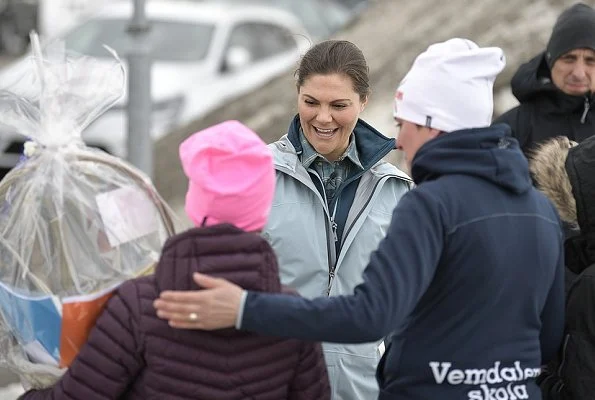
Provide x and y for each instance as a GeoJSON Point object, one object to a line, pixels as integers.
{"type": "Point", "coordinates": [336, 57]}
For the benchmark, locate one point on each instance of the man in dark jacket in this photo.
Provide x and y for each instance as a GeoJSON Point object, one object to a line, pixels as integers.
{"type": "Point", "coordinates": [566, 174]}
{"type": "Point", "coordinates": [555, 88]}
{"type": "Point", "coordinates": [469, 278]}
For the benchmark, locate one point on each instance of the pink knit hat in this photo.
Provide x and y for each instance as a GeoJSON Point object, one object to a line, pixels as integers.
{"type": "Point", "coordinates": [231, 176]}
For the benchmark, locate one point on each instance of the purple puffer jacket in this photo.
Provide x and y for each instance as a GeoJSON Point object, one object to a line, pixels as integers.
{"type": "Point", "coordinates": [132, 354]}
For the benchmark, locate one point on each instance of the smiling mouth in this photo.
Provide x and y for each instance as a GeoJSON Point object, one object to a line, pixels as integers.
{"type": "Point", "coordinates": [325, 133]}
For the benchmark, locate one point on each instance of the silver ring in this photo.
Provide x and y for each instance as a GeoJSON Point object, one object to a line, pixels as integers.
{"type": "Point", "coordinates": [192, 316]}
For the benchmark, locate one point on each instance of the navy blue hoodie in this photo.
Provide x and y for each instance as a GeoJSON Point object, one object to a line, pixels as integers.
{"type": "Point", "coordinates": [468, 280]}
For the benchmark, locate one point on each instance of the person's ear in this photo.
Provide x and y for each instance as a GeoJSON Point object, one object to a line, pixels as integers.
{"type": "Point", "coordinates": [364, 104]}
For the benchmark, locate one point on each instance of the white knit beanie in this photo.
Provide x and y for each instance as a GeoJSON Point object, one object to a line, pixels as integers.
{"type": "Point", "coordinates": [449, 87]}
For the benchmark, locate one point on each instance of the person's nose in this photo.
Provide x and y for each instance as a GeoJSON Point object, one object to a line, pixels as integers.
{"type": "Point", "coordinates": [324, 115]}
{"type": "Point", "coordinates": [398, 144]}
{"type": "Point", "coordinates": [579, 71]}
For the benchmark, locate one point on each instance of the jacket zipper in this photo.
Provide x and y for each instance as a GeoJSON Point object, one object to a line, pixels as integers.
{"type": "Point", "coordinates": [333, 223]}
{"type": "Point", "coordinates": [331, 271]}
{"type": "Point", "coordinates": [586, 110]}
{"type": "Point", "coordinates": [334, 226]}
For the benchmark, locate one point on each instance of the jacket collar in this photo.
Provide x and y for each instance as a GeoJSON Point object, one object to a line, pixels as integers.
{"type": "Point", "coordinates": [224, 251]}
{"type": "Point", "coordinates": [309, 153]}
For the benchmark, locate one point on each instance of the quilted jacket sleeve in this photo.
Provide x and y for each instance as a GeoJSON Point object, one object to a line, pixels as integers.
{"type": "Point", "coordinates": [311, 378]}
{"type": "Point", "coordinates": [109, 361]}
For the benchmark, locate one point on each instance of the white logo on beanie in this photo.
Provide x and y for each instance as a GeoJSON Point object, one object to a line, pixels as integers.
{"type": "Point", "coordinates": [450, 86]}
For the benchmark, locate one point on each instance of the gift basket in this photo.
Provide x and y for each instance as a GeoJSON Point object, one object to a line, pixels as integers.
{"type": "Point", "coordinates": [75, 222]}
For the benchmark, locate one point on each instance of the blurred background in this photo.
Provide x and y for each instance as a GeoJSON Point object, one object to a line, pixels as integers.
{"type": "Point", "coordinates": [213, 60]}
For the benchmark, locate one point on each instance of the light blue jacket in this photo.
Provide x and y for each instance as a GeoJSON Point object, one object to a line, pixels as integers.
{"type": "Point", "coordinates": [300, 229]}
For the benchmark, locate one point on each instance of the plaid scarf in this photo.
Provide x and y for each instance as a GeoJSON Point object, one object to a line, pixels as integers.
{"type": "Point", "coordinates": [332, 173]}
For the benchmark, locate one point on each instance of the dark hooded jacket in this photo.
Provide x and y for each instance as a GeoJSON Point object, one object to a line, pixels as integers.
{"type": "Point", "coordinates": [545, 111]}
{"type": "Point", "coordinates": [468, 280]}
{"type": "Point", "coordinates": [570, 182]}
{"type": "Point", "coordinates": [132, 354]}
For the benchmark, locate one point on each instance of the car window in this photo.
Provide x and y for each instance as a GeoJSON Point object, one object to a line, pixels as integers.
{"type": "Point", "coordinates": [321, 18]}
{"type": "Point", "coordinates": [169, 41]}
{"type": "Point", "coordinates": [262, 40]}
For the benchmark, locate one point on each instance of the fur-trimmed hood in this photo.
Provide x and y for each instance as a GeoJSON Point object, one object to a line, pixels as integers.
{"type": "Point", "coordinates": [565, 172]}
{"type": "Point", "coordinates": [547, 164]}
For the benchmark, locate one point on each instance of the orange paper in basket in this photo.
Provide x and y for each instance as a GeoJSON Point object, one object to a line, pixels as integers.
{"type": "Point", "coordinates": [78, 318]}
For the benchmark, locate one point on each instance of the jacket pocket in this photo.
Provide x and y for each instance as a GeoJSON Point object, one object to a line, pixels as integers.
{"type": "Point", "coordinates": [352, 370]}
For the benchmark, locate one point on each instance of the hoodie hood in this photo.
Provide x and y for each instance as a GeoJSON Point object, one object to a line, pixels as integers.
{"type": "Point", "coordinates": [224, 251]}
{"type": "Point", "coordinates": [487, 153]}
{"type": "Point", "coordinates": [533, 82]}
{"type": "Point", "coordinates": [532, 79]}
{"type": "Point", "coordinates": [372, 146]}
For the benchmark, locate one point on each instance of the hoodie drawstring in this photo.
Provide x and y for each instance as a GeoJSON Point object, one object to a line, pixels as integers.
{"type": "Point", "coordinates": [586, 110]}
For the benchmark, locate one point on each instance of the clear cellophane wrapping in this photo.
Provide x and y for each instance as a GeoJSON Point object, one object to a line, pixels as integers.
{"type": "Point", "coordinates": [75, 222]}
